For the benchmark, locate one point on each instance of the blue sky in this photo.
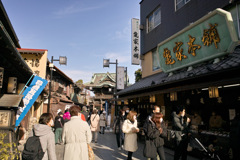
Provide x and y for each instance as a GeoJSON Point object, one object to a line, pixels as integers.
{"type": "Point", "coordinates": [86, 31]}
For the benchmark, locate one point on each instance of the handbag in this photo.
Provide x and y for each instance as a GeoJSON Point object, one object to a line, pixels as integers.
{"type": "Point", "coordinates": [91, 155]}
{"type": "Point", "coordinates": [149, 150]}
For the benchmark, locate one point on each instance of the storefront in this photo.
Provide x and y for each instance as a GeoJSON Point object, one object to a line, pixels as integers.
{"type": "Point", "coordinates": [200, 70]}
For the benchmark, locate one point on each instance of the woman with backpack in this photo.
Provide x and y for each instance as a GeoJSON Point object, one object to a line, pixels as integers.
{"type": "Point", "coordinates": [156, 131]}
{"type": "Point", "coordinates": [95, 127]}
{"type": "Point", "coordinates": [43, 130]}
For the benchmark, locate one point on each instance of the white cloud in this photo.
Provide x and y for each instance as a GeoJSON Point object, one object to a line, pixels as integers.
{"type": "Point", "coordinates": [121, 57]}
{"type": "Point", "coordinates": [75, 75]}
{"type": "Point", "coordinates": [75, 8]}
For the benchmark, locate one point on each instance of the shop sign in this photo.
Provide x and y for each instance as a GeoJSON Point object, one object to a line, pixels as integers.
{"type": "Point", "coordinates": [30, 95]}
{"type": "Point", "coordinates": [135, 42]}
{"type": "Point", "coordinates": [1, 76]}
{"type": "Point", "coordinates": [210, 37]}
{"type": "Point", "coordinates": [120, 77]}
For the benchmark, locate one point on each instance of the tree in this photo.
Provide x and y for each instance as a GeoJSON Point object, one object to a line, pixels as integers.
{"type": "Point", "coordinates": [80, 81]}
{"type": "Point", "coordinates": [138, 75]}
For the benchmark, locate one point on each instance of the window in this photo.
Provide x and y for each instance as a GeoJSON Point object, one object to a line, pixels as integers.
{"type": "Point", "coordinates": [154, 19]}
{"type": "Point", "coordinates": [155, 60]}
{"type": "Point", "coordinates": [180, 3]}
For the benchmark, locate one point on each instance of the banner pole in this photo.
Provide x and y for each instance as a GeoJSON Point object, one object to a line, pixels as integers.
{"type": "Point", "coordinates": [26, 84]}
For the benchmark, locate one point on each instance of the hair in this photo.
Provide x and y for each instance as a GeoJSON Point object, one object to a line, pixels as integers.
{"type": "Point", "coordinates": [130, 115]}
{"type": "Point", "coordinates": [120, 112]}
{"type": "Point", "coordinates": [74, 110]}
{"type": "Point", "coordinates": [156, 119]}
{"type": "Point", "coordinates": [95, 111]}
{"type": "Point", "coordinates": [84, 108]}
{"type": "Point", "coordinates": [45, 118]}
{"type": "Point", "coordinates": [60, 113]}
{"type": "Point", "coordinates": [179, 109]}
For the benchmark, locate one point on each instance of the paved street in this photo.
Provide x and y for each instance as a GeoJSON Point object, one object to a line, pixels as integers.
{"type": "Point", "coordinates": [106, 149]}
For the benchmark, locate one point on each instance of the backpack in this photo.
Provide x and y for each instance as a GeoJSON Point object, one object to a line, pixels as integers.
{"type": "Point", "coordinates": [32, 149]}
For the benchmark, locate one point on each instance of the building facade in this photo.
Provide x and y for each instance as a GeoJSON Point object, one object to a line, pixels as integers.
{"type": "Point", "coordinates": [175, 36]}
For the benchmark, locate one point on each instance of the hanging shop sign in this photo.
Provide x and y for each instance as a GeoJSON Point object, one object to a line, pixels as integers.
{"type": "Point", "coordinates": [120, 77]}
{"type": "Point", "coordinates": [1, 76]}
{"type": "Point", "coordinates": [210, 37]}
{"type": "Point", "coordinates": [30, 95]}
{"type": "Point", "coordinates": [135, 42]}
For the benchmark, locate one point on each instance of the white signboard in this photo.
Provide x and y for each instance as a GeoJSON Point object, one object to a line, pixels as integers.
{"type": "Point", "coordinates": [135, 42]}
{"type": "Point", "coordinates": [120, 78]}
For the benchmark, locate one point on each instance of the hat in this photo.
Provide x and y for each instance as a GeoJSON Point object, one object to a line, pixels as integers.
{"type": "Point", "coordinates": [104, 112]}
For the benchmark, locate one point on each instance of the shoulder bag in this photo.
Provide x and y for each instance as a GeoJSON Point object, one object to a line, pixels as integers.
{"type": "Point", "coordinates": [90, 153]}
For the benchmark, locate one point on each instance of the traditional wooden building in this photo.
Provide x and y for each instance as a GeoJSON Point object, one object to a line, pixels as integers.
{"type": "Point", "coordinates": [102, 84]}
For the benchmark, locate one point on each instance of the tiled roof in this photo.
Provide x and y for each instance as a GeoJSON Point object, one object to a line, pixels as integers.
{"type": "Point", "coordinates": [230, 61]}
{"type": "Point", "coordinates": [99, 79]}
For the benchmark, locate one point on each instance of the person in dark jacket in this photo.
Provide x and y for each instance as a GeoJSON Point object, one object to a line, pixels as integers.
{"type": "Point", "coordinates": [58, 125]}
{"type": "Point", "coordinates": [181, 129]}
{"type": "Point", "coordinates": [85, 112]}
{"type": "Point", "coordinates": [235, 136]}
{"type": "Point", "coordinates": [117, 128]}
{"type": "Point", "coordinates": [156, 130]}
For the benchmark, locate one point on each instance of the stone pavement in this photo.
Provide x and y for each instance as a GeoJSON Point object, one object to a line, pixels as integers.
{"type": "Point", "coordinates": [106, 149]}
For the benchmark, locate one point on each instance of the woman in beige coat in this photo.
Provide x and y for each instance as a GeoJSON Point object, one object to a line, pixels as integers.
{"type": "Point", "coordinates": [76, 136]}
{"type": "Point", "coordinates": [130, 129]}
{"type": "Point", "coordinates": [95, 127]}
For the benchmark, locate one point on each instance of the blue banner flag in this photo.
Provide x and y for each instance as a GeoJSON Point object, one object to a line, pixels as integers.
{"type": "Point", "coordinates": [30, 95]}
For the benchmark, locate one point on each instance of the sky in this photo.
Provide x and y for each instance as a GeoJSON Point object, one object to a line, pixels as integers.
{"type": "Point", "coordinates": [86, 31]}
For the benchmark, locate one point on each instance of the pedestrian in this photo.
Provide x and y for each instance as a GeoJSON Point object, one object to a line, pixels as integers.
{"type": "Point", "coordinates": [130, 129]}
{"type": "Point", "coordinates": [58, 125]}
{"type": "Point", "coordinates": [181, 130]}
{"type": "Point", "coordinates": [108, 121]}
{"type": "Point", "coordinates": [95, 128]}
{"type": "Point", "coordinates": [117, 129]}
{"type": "Point", "coordinates": [76, 136]}
{"type": "Point", "coordinates": [235, 136]}
{"type": "Point", "coordinates": [156, 109]}
{"type": "Point", "coordinates": [46, 135]}
{"type": "Point", "coordinates": [66, 116]}
{"type": "Point", "coordinates": [103, 122]}
{"type": "Point", "coordinates": [156, 131]}
{"type": "Point", "coordinates": [85, 112]}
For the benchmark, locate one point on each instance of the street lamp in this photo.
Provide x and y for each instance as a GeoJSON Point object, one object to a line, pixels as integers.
{"type": "Point", "coordinates": [106, 63]}
{"type": "Point", "coordinates": [62, 61]}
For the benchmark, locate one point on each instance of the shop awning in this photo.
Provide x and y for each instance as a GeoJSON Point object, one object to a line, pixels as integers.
{"type": "Point", "coordinates": [205, 74]}
{"type": "Point", "coordinates": [10, 100]}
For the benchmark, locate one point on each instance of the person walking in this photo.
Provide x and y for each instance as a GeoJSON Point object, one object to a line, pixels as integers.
{"type": "Point", "coordinates": [85, 112]}
{"type": "Point", "coordinates": [95, 124]}
{"type": "Point", "coordinates": [156, 131]}
{"type": "Point", "coordinates": [66, 116]}
{"type": "Point", "coordinates": [76, 136]}
{"type": "Point", "coordinates": [58, 125]}
{"type": "Point", "coordinates": [130, 129]}
{"type": "Point", "coordinates": [181, 129]}
{"type": "Point", "coordinates": [103, 122]}
{"type": "Point", "coordinates": [117, 128]}
{"type": "Point", "coordinates": [46, 135]}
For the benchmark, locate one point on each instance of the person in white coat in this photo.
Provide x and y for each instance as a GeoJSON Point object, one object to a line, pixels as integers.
{"type": "Point", "coordinates": [130, 129]}
{"type": "Point", "coordinates": [76, 136]}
